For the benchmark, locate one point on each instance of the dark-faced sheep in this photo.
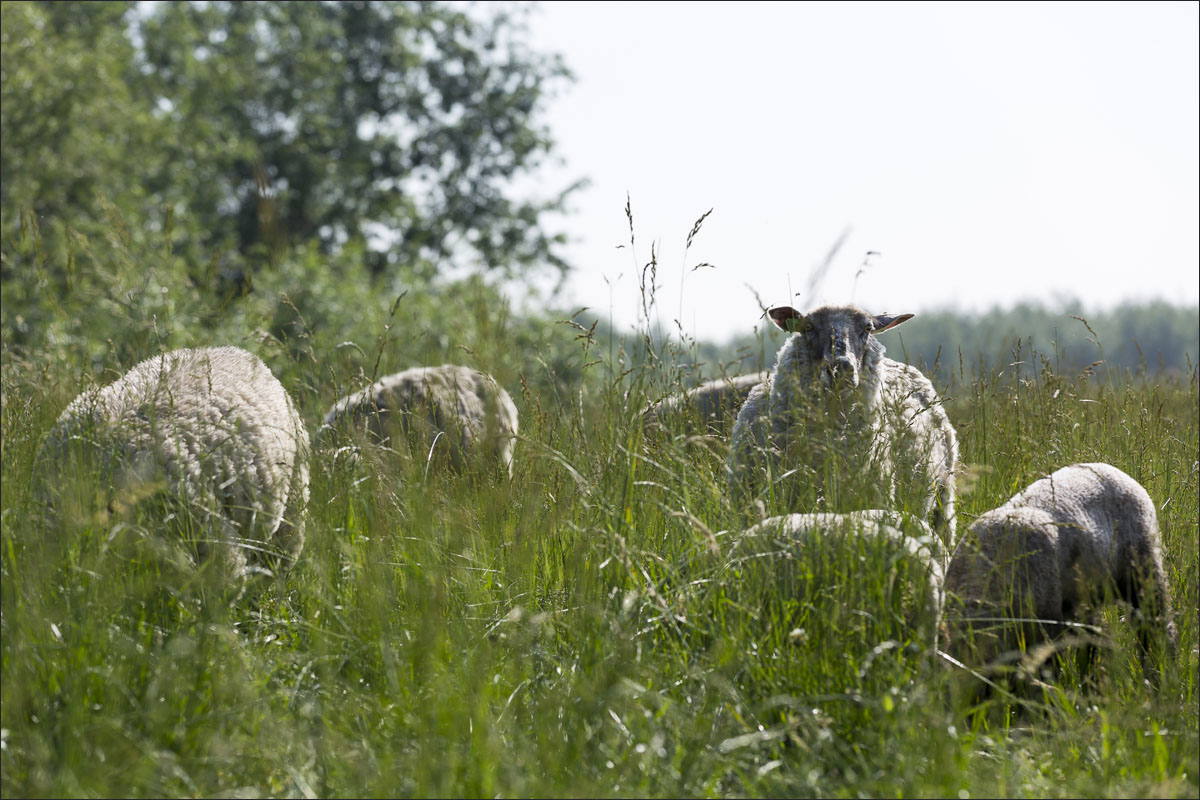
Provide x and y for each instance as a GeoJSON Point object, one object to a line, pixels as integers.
{"type": "Point", "coordinates": [834, 398]}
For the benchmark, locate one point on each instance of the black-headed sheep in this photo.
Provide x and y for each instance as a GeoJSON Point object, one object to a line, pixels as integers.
{"type": "Point", "coordinates": [833, 397]}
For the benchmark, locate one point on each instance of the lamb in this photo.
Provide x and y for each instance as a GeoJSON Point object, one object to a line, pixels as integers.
{"type": "Point", "coordinates": [211, 428]}
{"type": "Point", "coordinates": [714, 403]}
{"type": "Point", "coordinates": [833, 399]}
{"type": "Point", "coordinates": [451, 410]}
{"type": "Point", "coordinates": [1075, 537]}
{"type": "Point", "coordinates": [914, 554]}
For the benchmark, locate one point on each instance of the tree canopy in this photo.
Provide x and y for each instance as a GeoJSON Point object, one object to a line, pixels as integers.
{"type": "Point", "coordinates": [252, 127]}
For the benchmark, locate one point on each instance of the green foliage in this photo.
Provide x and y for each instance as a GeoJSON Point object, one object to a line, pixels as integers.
{"type": "Point", "coordinates": [593, 626]}
{"type": "Point", "coordinates": [166, 160]}
{"type": "Point", "coordinates": [331, 122]}
{"type": "Point", "coordinates": [1133, 337]}
{"type": "Point", "coordinates": [72, 113]}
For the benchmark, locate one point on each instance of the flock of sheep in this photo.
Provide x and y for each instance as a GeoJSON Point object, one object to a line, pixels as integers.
{"type": "Point", "coordinates": [218, 433]}
{"type": "Point", "coordinates": [1023, 572]}
{"type": "Point", "coordinates": [215, 431]}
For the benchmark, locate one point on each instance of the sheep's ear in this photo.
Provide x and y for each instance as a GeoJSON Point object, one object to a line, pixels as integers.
{"type": "Point", "coordinates": [789, 319]}
{"type": "Point", "coordinates": [884, 321]}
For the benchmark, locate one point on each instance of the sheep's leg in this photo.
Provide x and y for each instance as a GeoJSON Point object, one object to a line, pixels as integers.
{"type": "Point", "coordinates": [942, 518]}
{"type": "Point", "coordinates": [1144, 587]}
{"type": "Point", "coordinates": [1024, 581]}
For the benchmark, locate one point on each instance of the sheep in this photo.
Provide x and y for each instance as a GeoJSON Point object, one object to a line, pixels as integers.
{"type": "Point", "coordinates": [211, 428]}
{"type": "Point", "coordinates": [912, 551]}
{"type": "Point", "coordinates": [450, 410]}
{"type": "Point", "coordinates": [714, 403]}
{"type": "Point", "coordinates": [832, 392]}
{"type": "Point", "coordinates": [1065, 542]}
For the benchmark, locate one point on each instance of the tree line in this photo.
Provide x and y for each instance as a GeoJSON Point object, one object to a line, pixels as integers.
{"type": "Point", "coordinates": [1019, 340]}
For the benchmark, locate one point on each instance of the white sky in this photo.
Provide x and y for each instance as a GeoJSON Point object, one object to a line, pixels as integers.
{"type": "Point", "coordinates": [988, 152]}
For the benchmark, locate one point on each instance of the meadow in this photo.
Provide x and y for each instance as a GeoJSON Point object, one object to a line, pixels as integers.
{"type": "Point", "coordinates": [579, 630]}
{"type": "Point", "coordinates": [344, 189]}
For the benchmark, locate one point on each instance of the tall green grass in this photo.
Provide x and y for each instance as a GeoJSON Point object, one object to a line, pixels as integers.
{"type": "Point", "coordinates": [593, 626]}
{"type": "Point", "coordinates": [583, 629]}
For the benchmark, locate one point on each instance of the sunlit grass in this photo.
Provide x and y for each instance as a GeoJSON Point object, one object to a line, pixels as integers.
{"type": "Point", "coordinates": [594, 625]}
{"type": "Point", "coordinates": [580, 629]}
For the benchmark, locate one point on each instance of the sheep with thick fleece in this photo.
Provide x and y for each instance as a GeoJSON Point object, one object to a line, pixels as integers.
{"type": "Point", "coordinates": [449, 410]}
{"type": "Point", "coordinates": [715, 403]}
{"type": "Point", "coordinates": [833, 395]}
{"type": "Point", "coordinates": [1075, 537]}
{"type": "Point", "coordinates": [212, 428]}
{"type": "Point", "coordinates": [907, 543]}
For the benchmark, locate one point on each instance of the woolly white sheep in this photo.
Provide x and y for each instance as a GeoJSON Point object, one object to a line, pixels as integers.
{"type": "Point", "coordinates": [903, 538]}
{"type": "Point", "coordinates": [212, 428]}
{"type": "Point", "coordinates": [833, 393]}
{"type": "Point", "coordinates": [451, 410]}
{"type": "Point", "coordinates": [1084, 533]}
{"type": "Point", "coordinates": [714, 403]}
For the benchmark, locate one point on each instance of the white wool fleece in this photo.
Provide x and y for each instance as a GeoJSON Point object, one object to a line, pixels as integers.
{"type": "Point", "coordinates": [217, 426]}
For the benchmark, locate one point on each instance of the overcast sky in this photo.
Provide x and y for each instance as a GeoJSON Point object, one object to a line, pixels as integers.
{"type": "Point", "coordinates": [987, 152]}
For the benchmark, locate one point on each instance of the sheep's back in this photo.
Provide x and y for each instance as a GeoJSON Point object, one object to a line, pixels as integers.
{"type": "Point", "coordinates": [1006, 547]}
{"type": "Point", "coordinates": [422, 404]}
{"type": "Point", "coordinates": [748, 437]}
{"type": "Point", "coordinates": [1005, 567]}
{"type": "Point", "coordinates": [849, 538]}
{"type": "Point", "coordinates": [911, 392]}
{"type": "Point", "coordinates": [1110, 513]}
{"type": "Point", "coordinates": [714, 403]}
{"type": "Point", "coordinates": [215, 425]}
{"type": "Point", "coordinates": [921, 443]}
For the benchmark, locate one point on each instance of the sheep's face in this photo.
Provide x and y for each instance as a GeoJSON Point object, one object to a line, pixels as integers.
{"type": "Point", "coordinates": [834, 341]}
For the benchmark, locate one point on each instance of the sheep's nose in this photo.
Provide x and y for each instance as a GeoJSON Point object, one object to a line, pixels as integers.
{"type": "Point", "coordinates": [842, 370]}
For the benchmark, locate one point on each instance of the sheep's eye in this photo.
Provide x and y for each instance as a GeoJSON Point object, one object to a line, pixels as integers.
{"type": "Point", "coordinates": [800, 325]}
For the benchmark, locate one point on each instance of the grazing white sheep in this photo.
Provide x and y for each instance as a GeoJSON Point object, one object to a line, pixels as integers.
{"type": "Point", "coordinates": [451, 410]}
{"type": "Point", "coordinates": [211, 427]}
{"type": "Point", "coordinates": [1082, 534]}
{"type": "Point", "coordinates": [914, 554]}
{"type": "Point", "coordinates": [714, 403]}
{"type": "Point", "coordinates": [833, 396]}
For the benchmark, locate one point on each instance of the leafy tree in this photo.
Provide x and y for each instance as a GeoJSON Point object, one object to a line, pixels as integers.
{"type": "Point", "coordinates": [402, 124]}
{"type": "Point", "coordinates": [72, 120]}
{"type": "Point", "coordinates": [158, 160]}
{"type": "Point", "coordinates": [77, 150]}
